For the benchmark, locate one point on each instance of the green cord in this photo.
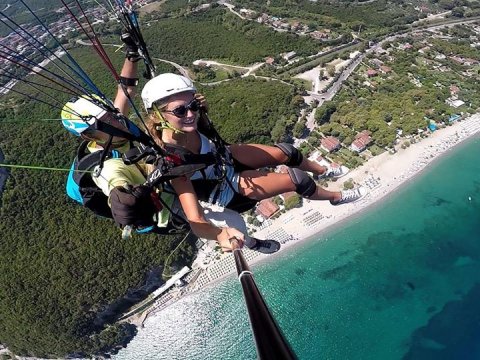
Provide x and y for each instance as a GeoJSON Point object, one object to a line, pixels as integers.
{"type": "Point", "coordinates": [30, 120]}
{"type": "Point", "coordinates": [168, 257]}
{"type": "Point", "coordinates": [42, 168]}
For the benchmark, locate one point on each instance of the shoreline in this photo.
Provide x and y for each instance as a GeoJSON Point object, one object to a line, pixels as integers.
{"type": "Point", "coordinates": [393, 175]}
{"type": "Point", "coordinates": [381, 175]}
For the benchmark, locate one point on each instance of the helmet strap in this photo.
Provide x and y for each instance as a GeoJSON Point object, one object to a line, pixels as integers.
{"type": "Point", "coordinates": [164, 124]}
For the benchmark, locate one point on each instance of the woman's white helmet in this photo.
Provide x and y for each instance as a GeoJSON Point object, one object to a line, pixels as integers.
{"type": "Point", "coordinates": [79, 114]}
{"type": "Point", "coordinates": [163, 86]}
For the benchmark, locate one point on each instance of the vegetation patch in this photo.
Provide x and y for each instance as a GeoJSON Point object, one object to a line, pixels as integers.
{"type": "Point", "coordinates": [219, 35]}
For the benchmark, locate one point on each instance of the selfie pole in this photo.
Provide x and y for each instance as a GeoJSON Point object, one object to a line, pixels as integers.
{"type": "Point", "coordinates": [269, 340]}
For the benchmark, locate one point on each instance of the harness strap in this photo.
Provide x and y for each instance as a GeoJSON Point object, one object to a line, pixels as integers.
{"type": "Point", "coordinates": [105, 152]}
{"type": "Point", "coordinates": [174, 215]}
{"type": "Point", "coordinates": [86, 161]}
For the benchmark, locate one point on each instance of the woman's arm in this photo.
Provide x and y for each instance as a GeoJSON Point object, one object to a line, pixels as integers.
{"type": "Point", "coordinates": [200, 226]}
{"type": "Point", "coordinates": [129, 71]}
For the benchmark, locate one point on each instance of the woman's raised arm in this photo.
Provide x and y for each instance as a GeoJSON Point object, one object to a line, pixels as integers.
{"type": "Point", "coordinates": [128, 82]}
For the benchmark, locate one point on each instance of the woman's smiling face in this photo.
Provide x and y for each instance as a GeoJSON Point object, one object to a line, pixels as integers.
{"type": "Point", "coordinates": [181, 112]}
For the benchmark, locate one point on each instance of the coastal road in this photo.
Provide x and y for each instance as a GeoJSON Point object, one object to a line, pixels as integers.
{"type": "Point", "coordinates": [332, 91]}
{"type": "Point", "coordinates": [231, 7]}
{"type": "Point", "coordinates": [179, 67]}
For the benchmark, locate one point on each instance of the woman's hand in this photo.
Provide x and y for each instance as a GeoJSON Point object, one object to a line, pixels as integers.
{"type": "Point", "coordinates": [194, 213]}
{"type": "Point", "coordinates": [203, 102]}
{"type": "Point", "coordinates": [228, 233]}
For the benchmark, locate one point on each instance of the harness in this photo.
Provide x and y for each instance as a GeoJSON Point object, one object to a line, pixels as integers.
{"type": "Point", "coordinates": [178, 162]}
{"type": "Point", "coordinates": [80, 186]}
{"type": "Point", "coordinates": [210, 189]}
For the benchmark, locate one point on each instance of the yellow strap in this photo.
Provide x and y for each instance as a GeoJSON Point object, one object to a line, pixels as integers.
{"type": "Point", "coordinates": [164, 124]}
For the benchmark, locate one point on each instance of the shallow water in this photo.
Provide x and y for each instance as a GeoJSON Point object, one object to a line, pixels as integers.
{"type": "Point", "coordinates": [402, 281]}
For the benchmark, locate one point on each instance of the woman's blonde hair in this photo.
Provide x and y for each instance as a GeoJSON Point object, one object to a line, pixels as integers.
{"type": "Point", "coordinates": [153, 128]}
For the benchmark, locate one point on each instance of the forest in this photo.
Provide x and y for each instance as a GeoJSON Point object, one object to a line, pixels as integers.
{"type": "Point", "coordinates": [218, 34]}
{"type": "Point", "coordinates": [60, 265]}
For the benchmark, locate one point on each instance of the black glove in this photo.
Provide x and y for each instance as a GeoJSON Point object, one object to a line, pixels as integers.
{"type": "Point", "coordinates": [134, 206]}
{"type": "Point", "coordinates": [131, 49]}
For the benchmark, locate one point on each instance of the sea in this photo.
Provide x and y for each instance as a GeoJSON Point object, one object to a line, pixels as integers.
{"type": "Point", "coordinates": [399, 281]}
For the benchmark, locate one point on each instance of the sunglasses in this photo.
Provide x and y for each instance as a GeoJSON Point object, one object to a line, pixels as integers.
{"type": "Point", "coordinates": [182, 110]}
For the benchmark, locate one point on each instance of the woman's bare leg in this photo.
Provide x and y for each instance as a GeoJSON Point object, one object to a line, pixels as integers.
{"type": "Point", "coordinates": [261, 185]}
{"type": "Point", "coordinates": [257, 156]}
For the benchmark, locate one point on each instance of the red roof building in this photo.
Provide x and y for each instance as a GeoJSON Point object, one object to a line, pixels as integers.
{"type": "Point", "coordinates": [371, 73]}
{"type": "Point", "coordinates": [295, 25]}
{"type": "Point", "coordinates": [385, 69]}
{"type": "Point", "coordinates": [288, 195]}
{"type": "Point", "coordinates": [269, 60]}
{"type": "Point", "coordinates": [362, 140]}
{"type": "Point", "coordinates": [266, 208]}
{"type": "Point", "coordinates": [330, 143]}
{"type": "Point", "coordinates": [454, 89]}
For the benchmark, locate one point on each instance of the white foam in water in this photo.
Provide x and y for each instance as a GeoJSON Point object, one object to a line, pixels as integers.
{"type": "Point", "coordinates": [199, 326]}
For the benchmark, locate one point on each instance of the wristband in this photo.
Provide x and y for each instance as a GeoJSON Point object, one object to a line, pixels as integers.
{"type": "Point", "coordinates": [133, 56]}
{"type": "Point", "coordinates": [128, 81]}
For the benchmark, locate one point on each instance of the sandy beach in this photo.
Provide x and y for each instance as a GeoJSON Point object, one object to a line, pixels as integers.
{"type": "Point", "coordinates": [381, 175]}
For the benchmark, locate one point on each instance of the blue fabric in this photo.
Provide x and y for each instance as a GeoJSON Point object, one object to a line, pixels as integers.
{"type": "Point", "coordinates": [224, 192]}
{"type": "Point", "coordinates": [73, 190]}
{"type": "Point", "coordinates": [145, 229]}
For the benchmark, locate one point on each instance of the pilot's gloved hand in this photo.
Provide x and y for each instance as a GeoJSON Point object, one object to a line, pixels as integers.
{"type": "Point", "coordinates": [131, 49]}
{"type": "Point", "coordinates": [134, 205]}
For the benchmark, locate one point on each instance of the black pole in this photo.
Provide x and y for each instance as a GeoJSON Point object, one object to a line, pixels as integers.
{"type": "Point", "coordinates": [269, 340]}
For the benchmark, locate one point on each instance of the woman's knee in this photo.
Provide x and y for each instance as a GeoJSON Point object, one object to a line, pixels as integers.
{"type": "Point", "coordinates": [304, 184]}
{"type": "Point", "coordinates": [294, 156]}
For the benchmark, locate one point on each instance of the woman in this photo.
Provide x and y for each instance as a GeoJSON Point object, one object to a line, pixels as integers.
{"type": "Point", "coordinates": [122, 184]}
{"type": "Point", "coordinates": [173, 121]}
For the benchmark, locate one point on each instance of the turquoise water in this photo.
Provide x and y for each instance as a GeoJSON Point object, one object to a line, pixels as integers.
{"type": "Point", "coordinates": [402, 281]}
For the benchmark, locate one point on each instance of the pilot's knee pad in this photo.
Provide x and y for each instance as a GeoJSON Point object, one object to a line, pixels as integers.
{"type": "Point", "coordinates": [304, 184]}
{"type": "Point", "coordinates": [295, 157]}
